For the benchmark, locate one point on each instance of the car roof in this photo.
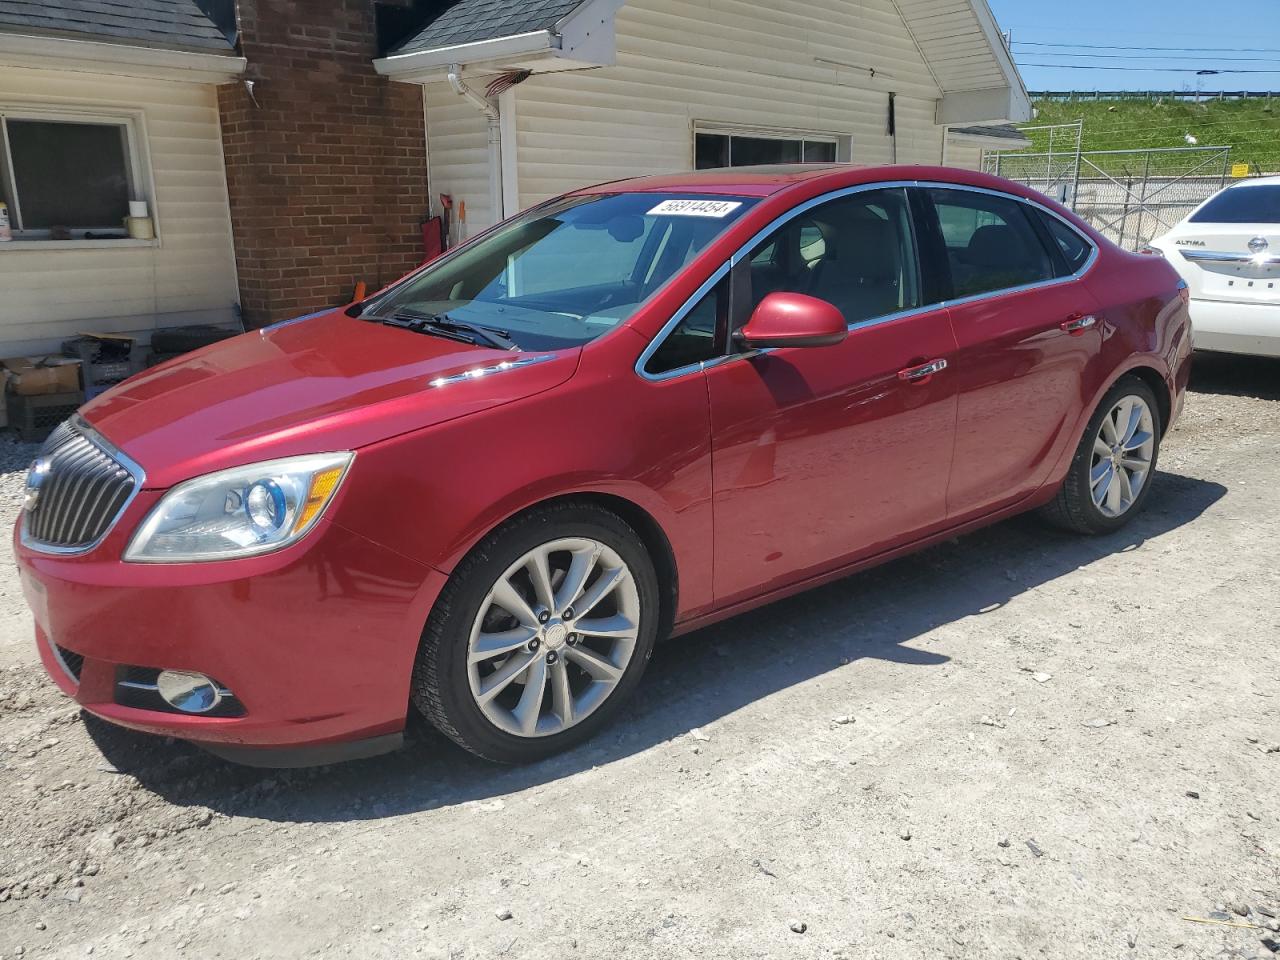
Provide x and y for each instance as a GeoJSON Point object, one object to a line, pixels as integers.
{"type": "Point", "coordinates": [765, 181]}
{"type": "Point", "coordinates": [1256, 182]}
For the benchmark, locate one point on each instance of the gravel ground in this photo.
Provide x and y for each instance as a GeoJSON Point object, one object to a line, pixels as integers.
{"type": "Point", "coordinates": [1018, 744]}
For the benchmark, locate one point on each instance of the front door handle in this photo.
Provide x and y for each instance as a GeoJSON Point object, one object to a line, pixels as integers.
{"type": "Point", "coordinates": [1078, 325]}
{"type": "Point", "coordinates": [923, 373]}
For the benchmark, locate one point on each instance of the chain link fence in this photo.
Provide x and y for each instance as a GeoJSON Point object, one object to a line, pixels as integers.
{"type": "Point", "coordinates": [1130, 196]}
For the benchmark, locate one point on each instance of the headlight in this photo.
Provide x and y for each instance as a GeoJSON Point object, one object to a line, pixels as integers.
{"type": "Point", "coordinates": [239, 512]}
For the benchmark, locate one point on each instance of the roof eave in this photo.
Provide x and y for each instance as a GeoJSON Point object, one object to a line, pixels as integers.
{"type": "Point", "coordinates": [119, 59]}
{"type": "Point", "coordinates": [585, 37]}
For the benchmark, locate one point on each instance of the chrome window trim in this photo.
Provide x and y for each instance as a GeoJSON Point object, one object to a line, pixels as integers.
{"type": "Point", "coordinates": [1222, 256]}
{"type": "Point", "coordinates": [132, 466]}
{"type": "Point", "coordinates": [781, 219]}
{"type": "Point", "coordinates": [707, 286]}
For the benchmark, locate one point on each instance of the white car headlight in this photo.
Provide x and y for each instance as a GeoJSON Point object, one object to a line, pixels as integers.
{"type": "Point", "coordinates": [239, 512]}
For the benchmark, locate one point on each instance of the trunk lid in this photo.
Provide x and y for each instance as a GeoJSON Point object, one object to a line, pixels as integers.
{"type": "Point", "coordinates": [1232, 263]}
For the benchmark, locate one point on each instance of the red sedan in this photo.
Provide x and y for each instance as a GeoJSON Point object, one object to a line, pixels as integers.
{"type": "Point", "coordinates": [486, 491]}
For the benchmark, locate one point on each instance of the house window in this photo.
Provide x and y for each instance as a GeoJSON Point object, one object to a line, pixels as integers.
{"type": "Point", "coordinates": [730, 149]}
{"type": "Point", "coordinates": [68, 176]}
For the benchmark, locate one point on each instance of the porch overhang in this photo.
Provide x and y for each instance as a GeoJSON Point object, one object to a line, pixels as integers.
{"type": "Point", "coordinates": [994, 105]}
{"type": "Point", "coordinates": [582, 39]}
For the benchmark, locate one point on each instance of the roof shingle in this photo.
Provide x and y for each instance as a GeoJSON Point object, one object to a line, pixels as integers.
{"type": "Point", "coordinates": [168, 24]}
{"type": "Point", "coordinates": [470, 21]}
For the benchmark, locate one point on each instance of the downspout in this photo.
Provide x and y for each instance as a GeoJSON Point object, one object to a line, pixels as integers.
{"type": "Point", "coordinates": [494, 119]}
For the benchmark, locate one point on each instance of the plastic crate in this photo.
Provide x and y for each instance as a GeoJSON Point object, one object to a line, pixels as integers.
{"type": "Point", "coordinates": [105, 362]}
{"type": "Point", "coordinates": [35, 417]}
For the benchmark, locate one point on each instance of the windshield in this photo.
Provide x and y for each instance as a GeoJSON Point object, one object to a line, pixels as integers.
{"type": "Point", "coordinates": [1242, 205]}
{"type": "Point", "coordinates": [566, 273]}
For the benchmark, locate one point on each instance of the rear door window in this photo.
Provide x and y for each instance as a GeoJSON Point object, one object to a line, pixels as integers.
{"type": "Point", "coordinates": [991, 244]}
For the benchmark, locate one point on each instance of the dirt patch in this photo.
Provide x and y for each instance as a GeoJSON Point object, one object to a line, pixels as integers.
{"type": "Point", "coordinates": [1017, 744]}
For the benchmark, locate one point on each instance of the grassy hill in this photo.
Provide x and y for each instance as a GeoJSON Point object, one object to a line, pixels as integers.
{"type": "Point", "coordinates": [1250, 127]}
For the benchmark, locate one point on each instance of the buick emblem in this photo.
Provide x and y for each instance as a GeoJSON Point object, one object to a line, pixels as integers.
{"type": "Point", "coordinates": [1258, 245]}
{"type": "Point", "coordinates": [35, 479]}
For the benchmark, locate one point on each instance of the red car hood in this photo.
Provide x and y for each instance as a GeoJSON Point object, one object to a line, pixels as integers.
{"type": "Point", "coordinates": [328, 383]}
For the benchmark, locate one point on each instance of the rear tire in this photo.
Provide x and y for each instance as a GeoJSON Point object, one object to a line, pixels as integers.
{"type": "Point", "coordinates": [1114, 466]}
{"type": "Point", "coordinates": [507, 668]}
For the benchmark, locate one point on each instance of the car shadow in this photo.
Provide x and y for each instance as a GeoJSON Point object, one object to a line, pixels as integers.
{"type": "Point", "coordinates": [692, 681]}
{"type": "Point", "coordinates": [1237, 376]}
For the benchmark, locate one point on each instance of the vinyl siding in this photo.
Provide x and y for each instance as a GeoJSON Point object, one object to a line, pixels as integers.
{"type": "Point", "coordinates": [951, 36]}
{"type": "Point", "coordinates": [50, 293]}
{"type": "Point", "coordinates": [458, 153]}
{"type": "Point", "coordinates": [966, 156]}
{"type": "Point", "coordinates": [736, 62]}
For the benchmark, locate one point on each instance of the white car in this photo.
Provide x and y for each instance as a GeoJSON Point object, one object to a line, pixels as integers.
{"type": "Point", "coordinates": [1228, 252]}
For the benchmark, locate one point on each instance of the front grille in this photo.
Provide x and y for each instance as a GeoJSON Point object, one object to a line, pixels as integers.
{"type": "Point", "coordinates": [71, 661]}
{"type": "Point", "coordinates": [80, 491]}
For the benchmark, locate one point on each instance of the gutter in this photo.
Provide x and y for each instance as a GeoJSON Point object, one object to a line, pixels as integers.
{"type": "Point", "coordinates": [494, 120]}
{"type": "Point", "coordinates": [411, 65]}
{"type": "Point", "coordinates": [92, 56]}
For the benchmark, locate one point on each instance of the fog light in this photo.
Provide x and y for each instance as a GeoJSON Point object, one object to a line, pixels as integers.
{"type": "Point", "coordinates": [188, 692]}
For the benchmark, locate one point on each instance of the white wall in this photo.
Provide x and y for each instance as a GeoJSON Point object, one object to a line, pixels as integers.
{"type": "Point", "coordinates": [743, 62]}
{"type": "Point", "coordinates": [48, 292]}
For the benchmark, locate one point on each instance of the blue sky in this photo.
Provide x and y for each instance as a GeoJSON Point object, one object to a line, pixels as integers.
{"type": "Point", "coordinates": [1201, 31]}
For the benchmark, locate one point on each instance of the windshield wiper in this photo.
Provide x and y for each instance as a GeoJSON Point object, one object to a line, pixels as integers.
{"type": "Point", "coordinates": [442, 325]}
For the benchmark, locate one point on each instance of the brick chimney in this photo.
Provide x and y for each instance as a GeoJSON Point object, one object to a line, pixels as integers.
{"type": "Point", "coordinates": [326, 161]}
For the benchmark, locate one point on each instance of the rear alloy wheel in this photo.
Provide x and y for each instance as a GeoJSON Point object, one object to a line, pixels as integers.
{"type": "Point", "coordinates": [1123, 451]}
{"type": "Point", "coordinates": [540, 634]}
{"type": "Point", "coordinates": [1113, 468]}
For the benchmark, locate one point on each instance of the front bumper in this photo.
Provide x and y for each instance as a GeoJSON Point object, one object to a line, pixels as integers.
{"type": "Point", "coordinates": [1248, 328]}
{"type": "Point", "coordinates": [316, 642]}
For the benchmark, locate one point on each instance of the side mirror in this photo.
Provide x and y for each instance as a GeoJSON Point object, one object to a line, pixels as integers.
{"type": "Point", "coordinates": [793, 320]}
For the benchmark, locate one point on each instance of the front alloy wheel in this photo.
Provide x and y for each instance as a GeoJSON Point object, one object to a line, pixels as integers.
{"type": "Point", "coordinates": [541, 633]}
{"type": "Point", "coordinates": [553, 637]}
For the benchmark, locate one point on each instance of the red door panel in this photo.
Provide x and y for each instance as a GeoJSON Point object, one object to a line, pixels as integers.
{"type": "Point", "coordinates": [1018, 375]}
{"type": "Point", "coordinates": [825, 454]}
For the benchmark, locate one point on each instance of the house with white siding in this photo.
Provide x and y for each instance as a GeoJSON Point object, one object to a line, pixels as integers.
{"type": "Point", "coordinates": [279, 152]}
{"type": "Point", "coordinates": [98, 110]}
{"type": "Point", "coordinates": [526, 100]}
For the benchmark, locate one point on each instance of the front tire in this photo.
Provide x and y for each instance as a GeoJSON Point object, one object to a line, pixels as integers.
{"type": "Point", "coordinates": [540, 635]}
{"type": "Point", "coordinates": [1113, 468]}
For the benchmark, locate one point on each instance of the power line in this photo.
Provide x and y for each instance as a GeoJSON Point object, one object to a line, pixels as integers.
{"type": "Point", "coordinates": [1099, 46]}
{"type": "Point", "coordinates": [1130, 56]}
{"type": "Point", "coordinates": [1083, 66]}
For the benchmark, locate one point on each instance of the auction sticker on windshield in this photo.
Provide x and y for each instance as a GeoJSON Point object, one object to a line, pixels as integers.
{"type": "Point", "coordinates": [695, 208]}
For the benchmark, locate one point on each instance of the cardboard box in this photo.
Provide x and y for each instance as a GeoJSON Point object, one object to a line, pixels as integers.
{"type": "Point", "coordinates": [32, 376]}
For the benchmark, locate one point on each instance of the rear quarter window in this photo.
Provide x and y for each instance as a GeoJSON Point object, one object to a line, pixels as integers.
{"type": "Point", "coordinates": [1074, 248]}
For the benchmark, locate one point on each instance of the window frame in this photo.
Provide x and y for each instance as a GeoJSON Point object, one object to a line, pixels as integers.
{"type": "Point", "coordinates": [941, 256]}
{"type": "Point", "coordinates": [841, 142]}
{"type": "Point", "coordinates": [137, 167]}
{"type": "Point", "coordinates": [929, 280]}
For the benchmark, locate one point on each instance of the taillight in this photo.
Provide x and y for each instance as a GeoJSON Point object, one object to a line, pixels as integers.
{"type": "Point", "coordinates": [1150, 251]}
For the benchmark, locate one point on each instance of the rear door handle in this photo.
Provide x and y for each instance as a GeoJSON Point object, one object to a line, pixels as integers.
{"type": "Point", "coordinates": [922, 373]}
{"type": "Point", "coordinates": [1078, 325]}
